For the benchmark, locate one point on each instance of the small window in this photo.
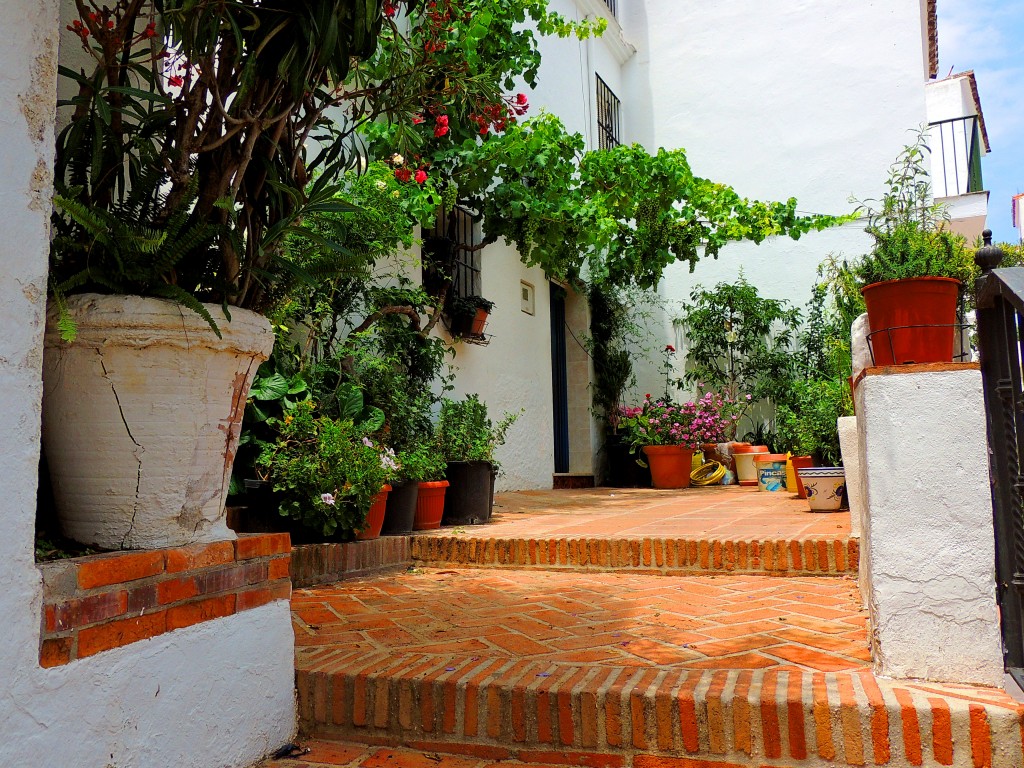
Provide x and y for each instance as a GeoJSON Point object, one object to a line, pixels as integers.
{"type": "Point", "coordinates": [608, 119]}
{"type": "Point", "coordinates": [451, 252]}
{"type": "Point", "coordinates": [526, 297]}
{"type": "Point", "coordinates": [612, 6]}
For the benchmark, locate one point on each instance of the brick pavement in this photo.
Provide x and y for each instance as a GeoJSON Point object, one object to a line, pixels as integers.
{"type": "Point", "coordinates": [700, 530]}
{"type": "Point", "coordinates": [539, 656]}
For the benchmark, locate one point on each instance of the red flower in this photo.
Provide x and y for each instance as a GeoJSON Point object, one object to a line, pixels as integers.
{"type": "Point", "coordinates": [440, 131]}
{"type": "Point", "coordinates": [442, 120]}
{"type": "Point", "coordinates": [669, 348]}
{"type": "Point", "coordinates": [176, 81]}
{"type": "Point", "coordinates": [417, 119]}
{"type": "Point", "coordinates": [421, 176]}
{"type": "Point", "coordinates": [390, 9]}
{"type": "Point", "coordinates": [521, 99]}
{"type": "Point", "coordinates": [403, 174]}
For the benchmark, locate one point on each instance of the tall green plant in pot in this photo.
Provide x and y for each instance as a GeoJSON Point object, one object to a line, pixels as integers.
{"type": "Point", "coordinates": [467, 439]}
{"type": "Point", "coordinates": [914, 276]}
{"type": "Point", "coordinates": [185, 164]}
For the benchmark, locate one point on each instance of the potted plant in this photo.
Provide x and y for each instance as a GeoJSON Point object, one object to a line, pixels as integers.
{"type": "Point", "coordinates": [469, 315]}
{"type": "Point", "coordinates": [467, 439]}
{"type": "Point", "coordinates": [914, 277]}
{"type": "Point", "coordinates": [330, 473]}
{"type": "Point", "coordinates": [669, 434]}
{"type": "Point", "coordinates": [182, 168]}
{"type": "Point", "coordinates": [421, 465]}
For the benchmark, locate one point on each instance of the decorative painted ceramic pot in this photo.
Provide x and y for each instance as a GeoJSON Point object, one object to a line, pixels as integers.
{"type": "Point", "coordinates": [824, 486]}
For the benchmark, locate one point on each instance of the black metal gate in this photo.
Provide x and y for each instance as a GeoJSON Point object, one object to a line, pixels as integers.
{"type": "Point", "coordinates": [1000, 294]}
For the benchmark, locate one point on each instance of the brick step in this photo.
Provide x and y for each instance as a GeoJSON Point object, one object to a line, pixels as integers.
{"type": "Point", "coordinates": [649, 555]}
{"type": "Point", "coordinates": [503, 709]}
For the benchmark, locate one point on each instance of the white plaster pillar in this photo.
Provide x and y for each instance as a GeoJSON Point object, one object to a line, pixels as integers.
{"type": "Point", "coordinates": [849, 442]}
{"type": "Point", "coordinates": [928, 546]}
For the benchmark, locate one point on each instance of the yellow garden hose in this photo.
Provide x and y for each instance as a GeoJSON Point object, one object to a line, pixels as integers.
{"type": "Point", "coordinates": [708, 474]}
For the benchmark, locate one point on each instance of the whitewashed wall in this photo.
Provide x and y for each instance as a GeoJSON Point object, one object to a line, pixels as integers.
{"type": "Point", "coordinates": [805, 98]}
{"type": "Point", "coordinates": [219, 693]}
{"type": "Point", "coordinates": [514, 371]}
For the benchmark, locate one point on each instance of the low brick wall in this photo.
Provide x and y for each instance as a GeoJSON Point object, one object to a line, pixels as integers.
{"type": "Point", "coordinates": [672, 557]}
{"type": "Point", "coordinates": [99, 602]}
{"type": "Point", "coordinates": [314, 564]}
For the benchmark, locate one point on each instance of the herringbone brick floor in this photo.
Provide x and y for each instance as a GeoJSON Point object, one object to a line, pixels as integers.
{"type": "Point", "coordinates": [734, 622]}
{"type": "Point", "coordinates": [723, 512]}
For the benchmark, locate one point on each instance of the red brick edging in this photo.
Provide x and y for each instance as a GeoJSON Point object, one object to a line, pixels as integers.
{"type": "Point", "coordinates": [314, 564]}
{"type": "Point", "coordinates": [671, 557]}
{"type": "Point", "coordinates": [504, 708]}
{"type": "Point", "coordinates": [99, 602]}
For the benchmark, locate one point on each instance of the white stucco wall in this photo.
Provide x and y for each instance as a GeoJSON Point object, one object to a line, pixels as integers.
{"type": "Point", "coordinates": [930, 553]}
{"type": "Point", "coordinates": [802, 98]}
{"type": "Point", "coordinates": [219, 693]}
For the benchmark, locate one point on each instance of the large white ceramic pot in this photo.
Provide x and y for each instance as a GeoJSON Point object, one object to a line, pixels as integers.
{"type": "Point", "coordinates": [141, 418]}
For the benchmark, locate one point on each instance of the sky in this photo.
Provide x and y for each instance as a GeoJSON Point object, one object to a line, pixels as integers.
{"type": "Point", "coordinates": [988, 37]}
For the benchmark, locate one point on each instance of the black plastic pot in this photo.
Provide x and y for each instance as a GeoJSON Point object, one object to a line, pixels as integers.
{"type": "Point", "coordinates": [258, 509]}
{"type": "Point", "coordinates": [470, 495]}
{"type": "Point", "coordinates": [401, 509]}
{"type": "Point", "coordinates": [623, 471]}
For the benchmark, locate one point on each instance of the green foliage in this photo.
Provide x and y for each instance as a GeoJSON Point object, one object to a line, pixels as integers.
{"type": "Point", "coordinates": [619, 216]}
{"type": "Point", "coordinates": [739, 343]}
{"type": "Point", "coordinates": [422, 463]}
{"type": "Point", "coordinates": [465, 433]}
{"type": "Point", "coordinates": [909, 229]}
{"type": "Point", "coordinates": [806, 420]}
{"type": "Point", "coordinates": [326, 470]}
{"type": "Point", "coordinates": [807, 424]}
{"type": "Point", "coordinates": [193, 140]}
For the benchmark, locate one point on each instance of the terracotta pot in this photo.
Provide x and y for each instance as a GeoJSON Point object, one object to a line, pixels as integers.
{"type": "Point", "coordinates": [912, 320]}
{"type": "Point", "coordinates": [476, 328]}
{"type": "Point", "coordinates": [671, 465]}
{"type": "Point", "coordinates": [375, 517]}
{"type": "Point", "coordinates": [801, 462]}
{"type": "Point", "coordinates": [430, 505]}
{"type": "Point", "coordinates": [141, 418]}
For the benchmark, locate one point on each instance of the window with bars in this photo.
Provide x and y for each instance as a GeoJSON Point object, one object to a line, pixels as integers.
{"type": "Point", "coordinates": [608, 116]}
{"type": "Point", "coordinates": [612, 6]}
{"type": "Point", "coordinates": [452, 251]}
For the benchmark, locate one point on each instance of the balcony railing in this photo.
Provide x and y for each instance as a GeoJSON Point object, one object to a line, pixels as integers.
{"type": "Point", "coordinates": [956, 156]}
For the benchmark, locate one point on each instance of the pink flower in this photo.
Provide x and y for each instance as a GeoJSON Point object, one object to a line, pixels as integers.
{"type": "Point", "coordinates": [421, 176]}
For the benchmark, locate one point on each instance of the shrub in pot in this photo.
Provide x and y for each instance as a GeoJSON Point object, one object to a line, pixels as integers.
{"type": "Point", "coordinates": [469, 315]}
{"type": "Point", "coordinates": [419, 465]}
{"type": "Point", "coordinates": [174, 194]}
{"type": "Point", "coordinates": [467, 439]}
{"type": "Point", "coordinates": [328, 472]}
{"type": "Point", "coordinates": [669, 434]}
{"type": "Point", "coordinates": [915, 275]}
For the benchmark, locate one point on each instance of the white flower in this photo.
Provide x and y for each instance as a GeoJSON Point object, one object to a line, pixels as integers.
{"type": "Point", "coordinates": [327, 498]}
{"type": "Point", "coordinates": [397, 159]}
{"type": "Point", "coordinates": [381, 184]}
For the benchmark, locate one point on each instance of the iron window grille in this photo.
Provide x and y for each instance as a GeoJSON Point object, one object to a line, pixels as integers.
{"type": "Point", "coordinates": [609, 110]}
{"type": "Point", "coordinates": [612, 6]}
{"type": "Point", "coordinates": [452, 252]}
{"type": "Point", "coordinates": [957, 148]}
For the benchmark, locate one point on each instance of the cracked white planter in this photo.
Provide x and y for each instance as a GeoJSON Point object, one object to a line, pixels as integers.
{"type": "Point", "coordinates": [141, 418]}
